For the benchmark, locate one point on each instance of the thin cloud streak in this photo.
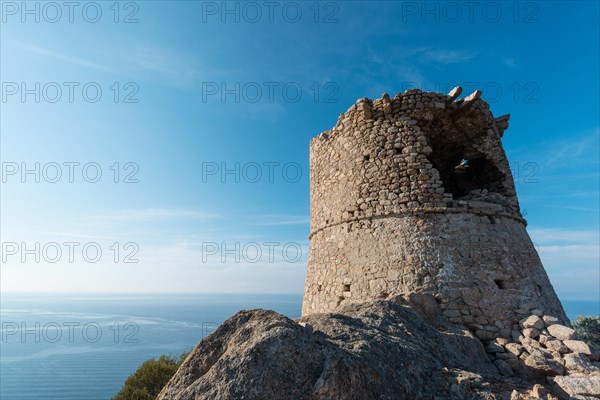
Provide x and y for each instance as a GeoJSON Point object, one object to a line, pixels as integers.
{"type": "Point", "coordinates": [64, 57]}
{"type": "Point", "coordinates": [554, 235]}
{"type": "Point", "coordinates": [448, 56]}
{"type": "Point", "coordinates": [279, 220]}
{"type": "Point", "coordinates": [152, 214]}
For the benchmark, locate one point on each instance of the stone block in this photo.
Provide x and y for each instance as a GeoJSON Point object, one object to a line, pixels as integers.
{"type": "Point", "coordinates": [561, 332]}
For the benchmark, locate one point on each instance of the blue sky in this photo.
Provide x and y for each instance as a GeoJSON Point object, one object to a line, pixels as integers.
{"type": "Point", "coordinates": [188, 91]}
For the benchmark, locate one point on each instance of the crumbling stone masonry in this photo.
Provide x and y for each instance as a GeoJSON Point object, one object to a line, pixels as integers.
{"type": "Point", "coordinates": [396, 209]}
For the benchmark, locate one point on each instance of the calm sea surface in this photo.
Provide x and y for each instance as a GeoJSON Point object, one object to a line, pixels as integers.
{"type": "Point", "coordinates": [84, 347]}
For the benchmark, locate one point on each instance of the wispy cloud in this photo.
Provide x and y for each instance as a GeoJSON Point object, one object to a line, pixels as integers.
{"type": "Point", "coordinates": [143, 61]}
{"type": "Point", "coordinates": [153, 60]}
{"type": "Point", "coordinates": [511, 62]}
{"type": "Point", "coordinates": [76, 235]}
{"type": "Point", "coordinates": [566, 150]}
{"type": "Point", "coordinates": [64, 57]}
{"type": "Point", "coordinates": [280, 219]}
{"type": "Point", "coordinates": [171, 65]}
{"type": "Point", "coordinates": [575, 208]}
{"type": "Point", "coordinates": [576, 194]}
{"type": "Point", "coordinates": [549, 236]}
{"type": "Point", "coordinates": [448, 56]}
{"type": "Point", "coordinates": [569, 151]}
{"type": "Point", "coordinates": [571, 258]}
{"type": "Point", "coordinates": [563, 168]}
{"type": "Point", "coordinates": [152, 214]}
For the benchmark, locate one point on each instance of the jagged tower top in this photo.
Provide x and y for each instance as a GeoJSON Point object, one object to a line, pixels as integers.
{"type": "Point", "coordinates": [415, 152]}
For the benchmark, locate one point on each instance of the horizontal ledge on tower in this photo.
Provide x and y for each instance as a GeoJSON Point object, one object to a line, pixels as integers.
{"type": "Point", "coordinates": [432, 210]}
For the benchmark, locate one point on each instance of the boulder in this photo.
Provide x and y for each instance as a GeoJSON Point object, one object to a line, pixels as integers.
{"type": "Point", "coordinates": [577, 346]}
{"type": "Point", "coordinates": [577, 363]}
{"type": "Point", "coordinates": [548, 320]}
{"type": "Point", "coordinates": [577, 385]}
{"type": "Point", "coordinates": [541, 365]}
{"type": "Point", "coordinates": [561, 332]}
{"type": "Point", "coordinates": [533, 321]}
{"type": "Point", "coordinates": [557, 346]}
{"type": "Point", "coordinates": [503, 368]}
{"type": "Point", "coordinates": [494, 347]}
{"type": "Point", "coordinates": [532, 345]}
{"type": "Point", "coordinates": [538, 391]}
{"type": "Point", "coordinates": [513, 363]}
{"type": "Point", "coordinates": [516, 335]}
{"type": "Point", "coordinates": [531, 333]}
{"type": "Point", "coordinates": [504, 356]}
{"type": "Point", "coordinates": [514, 348]}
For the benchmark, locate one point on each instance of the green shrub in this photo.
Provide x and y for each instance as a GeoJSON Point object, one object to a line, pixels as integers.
{"type": "Point", "coordinates": [588, 329]}
{"type": "Point", "coordinates": [149, 379]}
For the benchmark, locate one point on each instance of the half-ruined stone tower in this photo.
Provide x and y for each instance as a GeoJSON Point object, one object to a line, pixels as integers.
{"type": "Point", "coordinates": [395, 209]}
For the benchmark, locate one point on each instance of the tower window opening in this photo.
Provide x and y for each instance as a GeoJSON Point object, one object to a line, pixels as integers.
{"type": "Point", "coordinates": [462, 170]}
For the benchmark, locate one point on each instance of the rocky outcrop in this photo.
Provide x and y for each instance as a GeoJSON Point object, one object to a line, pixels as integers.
{"type": "Point", "coordinates": [382, 349]}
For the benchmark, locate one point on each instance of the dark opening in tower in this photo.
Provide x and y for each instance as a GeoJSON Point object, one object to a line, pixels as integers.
{"type": "Point", "coordinates": [463, 170]}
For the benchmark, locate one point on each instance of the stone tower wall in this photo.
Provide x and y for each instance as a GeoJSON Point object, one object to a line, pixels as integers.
{"type": "Point", "coordinates": [391, 214]}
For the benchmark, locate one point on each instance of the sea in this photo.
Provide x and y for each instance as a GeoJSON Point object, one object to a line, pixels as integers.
{"type": "Point", "coordinates": [83, 347]}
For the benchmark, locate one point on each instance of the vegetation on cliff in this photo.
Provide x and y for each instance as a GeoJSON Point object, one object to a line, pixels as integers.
{"type": "Point", "coordinates": [588, 329]}
{"type": "Point", "coordinates": [150, 377]}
